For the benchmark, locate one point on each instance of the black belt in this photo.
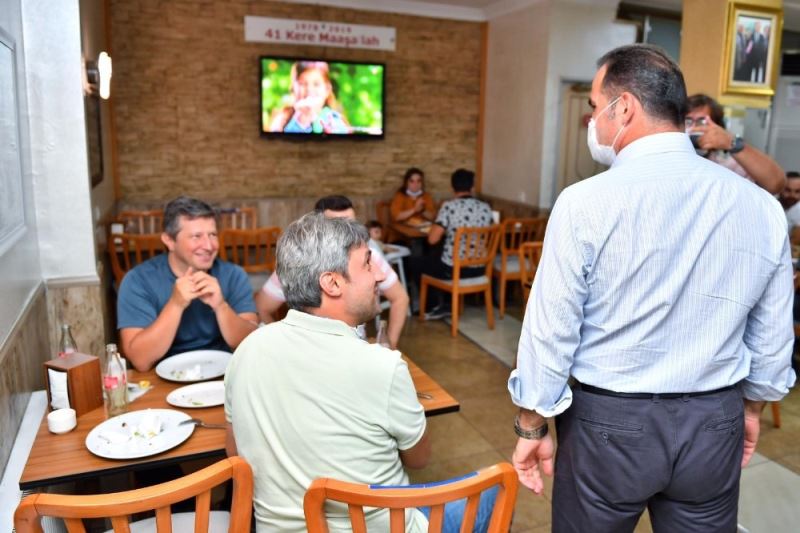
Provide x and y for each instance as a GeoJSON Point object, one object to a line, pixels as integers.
{"type": "Point", "coordinates": [650, 396]}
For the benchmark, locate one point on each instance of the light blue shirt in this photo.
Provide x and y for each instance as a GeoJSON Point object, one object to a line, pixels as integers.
{"type": "Point", "coordinates": [666, 273]}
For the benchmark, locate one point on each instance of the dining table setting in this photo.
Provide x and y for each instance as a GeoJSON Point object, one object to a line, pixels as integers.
{"type": "Point", "coordinates": [175, 414]}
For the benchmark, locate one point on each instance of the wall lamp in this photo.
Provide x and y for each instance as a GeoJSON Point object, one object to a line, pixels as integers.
{"type": "Point", "coordinates": [98, 76]}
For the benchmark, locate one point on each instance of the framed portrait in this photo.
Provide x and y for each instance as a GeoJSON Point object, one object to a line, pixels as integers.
{"type": "Point", "coordinates": [753, 49]}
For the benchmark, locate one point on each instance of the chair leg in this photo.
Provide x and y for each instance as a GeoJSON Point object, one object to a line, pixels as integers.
{"type": "Point", "coordinates": [487, 295]}
{"type": "Point", "coordinates": [454, 306]}
{"type": "Point", "coordinates": [502, 297]}
{"type": "Point", "coordinates": [776, 414]}
{"type": "Point", "coordinates": [423, 298]}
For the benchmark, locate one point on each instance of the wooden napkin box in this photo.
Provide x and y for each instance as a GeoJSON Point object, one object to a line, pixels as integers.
{"type": "Point", "coordinates": [84, 388]}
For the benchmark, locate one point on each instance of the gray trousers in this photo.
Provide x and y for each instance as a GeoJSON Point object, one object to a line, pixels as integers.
{"type": "Point", "coordinates": [680, 458]}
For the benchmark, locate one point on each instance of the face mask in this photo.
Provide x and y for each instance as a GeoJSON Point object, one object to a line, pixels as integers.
{"type": "Point", "coordinates": [414, 194]}
{"type": "Point", "coordinates": [603, 154]}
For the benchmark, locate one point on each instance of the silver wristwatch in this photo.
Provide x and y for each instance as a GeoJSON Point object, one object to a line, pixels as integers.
{"type": "Point", "coordinates": [737, 145]}
{"type": "Point", "coordinates": [530, 434]}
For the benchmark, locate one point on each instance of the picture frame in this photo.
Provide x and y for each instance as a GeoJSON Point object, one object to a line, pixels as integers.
{"type": "Point", "coordinates": [752, 50]}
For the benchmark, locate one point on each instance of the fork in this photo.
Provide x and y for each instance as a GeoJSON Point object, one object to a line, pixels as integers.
{"type": "Point", "coordinates": [198, 422]}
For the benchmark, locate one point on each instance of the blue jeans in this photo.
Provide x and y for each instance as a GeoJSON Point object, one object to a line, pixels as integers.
{"type": "Point", "coordinates": [454, 512]}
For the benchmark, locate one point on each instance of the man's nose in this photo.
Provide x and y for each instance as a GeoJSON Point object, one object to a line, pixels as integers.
{"type": "Point", "coordinates": [379, 275]}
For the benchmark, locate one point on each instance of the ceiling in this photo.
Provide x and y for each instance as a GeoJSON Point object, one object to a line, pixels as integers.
{"type": "Point", "coordinates": [479, 10]}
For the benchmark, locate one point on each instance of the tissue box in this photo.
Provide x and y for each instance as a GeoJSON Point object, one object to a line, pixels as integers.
{"type": "Point", "coordinates": [84, 388]}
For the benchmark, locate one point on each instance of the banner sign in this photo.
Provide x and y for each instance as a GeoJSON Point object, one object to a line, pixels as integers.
{"type": "Point", "coordinates": [318, 33]}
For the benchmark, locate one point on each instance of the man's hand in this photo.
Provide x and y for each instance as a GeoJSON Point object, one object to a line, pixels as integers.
{"type": "Point", "coordinates": [752, 427]}
{"type": "Point", "coordinates": [185, 289]}
{"type": "Point", "coordinates": [714, 137]}
{"type": "Point", "coordinates": [208, 289]}
{"type": "Point", "coordinates": [531, 458]}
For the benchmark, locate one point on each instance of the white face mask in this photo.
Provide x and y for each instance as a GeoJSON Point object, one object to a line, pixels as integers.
{"type": "Point", "coordinates": [602, 153]}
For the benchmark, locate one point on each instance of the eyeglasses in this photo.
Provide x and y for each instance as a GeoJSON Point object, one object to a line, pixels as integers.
{"type": "Point", "coordinates": [699, 121]}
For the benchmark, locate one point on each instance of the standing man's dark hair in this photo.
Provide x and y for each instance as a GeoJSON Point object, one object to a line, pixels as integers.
{"type": "Point", "coordinates": [462, 180]}
{"type": "Point", "coordinates": [334, 202]}
{"type": "Point", "coordinates": [651, 75]}
{"type": "Point", "coordinates": [717, 114]}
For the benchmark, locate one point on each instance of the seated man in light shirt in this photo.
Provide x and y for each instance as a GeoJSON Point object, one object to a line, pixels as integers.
{"type": "Point", "coordinates": [186, 299]}
{"type": "Point", "coordinates": [306, 398]}
{"type": "Point", "coordinates": [271, 297]}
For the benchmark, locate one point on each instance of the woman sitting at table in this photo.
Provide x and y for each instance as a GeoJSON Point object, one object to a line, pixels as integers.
{"type": "Point", "coordinates": [411, 204]}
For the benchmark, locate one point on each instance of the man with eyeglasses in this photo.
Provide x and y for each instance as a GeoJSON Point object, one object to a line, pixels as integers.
{"type": "Point", "coordinates": [704, 124]}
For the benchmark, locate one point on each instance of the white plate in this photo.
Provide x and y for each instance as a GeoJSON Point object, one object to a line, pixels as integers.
{"type": "Point", "coordinates": [206, 394]}
{"type": "Point", "coordinates": [116, 439]}
{"type": "Point", "coordinates": [199, 365]}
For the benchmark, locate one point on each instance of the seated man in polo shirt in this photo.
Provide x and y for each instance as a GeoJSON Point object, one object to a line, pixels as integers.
{"type": "Point", "coordinates": [186, 299]}
{"type": "Point", "coordinates": [270, 298]}
{"type": "Point", "coordinates": [307, 398]}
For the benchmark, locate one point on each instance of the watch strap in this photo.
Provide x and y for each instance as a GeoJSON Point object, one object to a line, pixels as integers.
{"type": "Point", "coordinates": [530, 434]}
{"type": "Point", "coordinates": [737, 145]}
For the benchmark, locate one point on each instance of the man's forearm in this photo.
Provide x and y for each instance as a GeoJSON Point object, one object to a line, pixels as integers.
{"type": "Point", "coordinates": [530, 419]}
{"type": "Point", "coordinates": [234, 328]}
{"type": "Point", "coordinates": [146, 346]}
{"type": "Point", "coordinates": [753, 408]}
{"type": "Point", "coordinates": [762, 168]}
{"type": "Point", "coordinates": [397, 317]}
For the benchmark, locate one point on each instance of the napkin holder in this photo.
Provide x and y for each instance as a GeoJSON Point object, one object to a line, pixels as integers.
{"type": "Point", "coordinates": [84, 388]}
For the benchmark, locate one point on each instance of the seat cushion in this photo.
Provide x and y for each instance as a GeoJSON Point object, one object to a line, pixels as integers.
{"type": "Point", "coordinates": [217, 523]}
{"type": "Point", "coordinates": [465, 282]}
{"type": "Point", "coordinates": [512, 263]}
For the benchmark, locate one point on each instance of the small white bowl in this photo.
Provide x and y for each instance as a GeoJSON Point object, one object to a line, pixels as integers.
{"type": "Point", "coordinates": [61, 421]}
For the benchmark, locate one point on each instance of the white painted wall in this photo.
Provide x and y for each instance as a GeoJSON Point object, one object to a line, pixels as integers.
{"type": "Point", "coordinates": [516, 61]}
{"type": "Point", "coordinates": [581, 32]}
{"type": "Point", "coordinates": [59, 162]}
{"type": "Point", "coordinates": [58, 242]}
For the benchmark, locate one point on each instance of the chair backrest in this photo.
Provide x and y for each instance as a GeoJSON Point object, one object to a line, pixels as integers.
{"type": "Point", "coordinates": [397, 499]}
{"type": "Point", "coordinates": [519, 230]}
{"type": "Point", "coordinates": [252, 249]}
{"type": "Point", "coordinates": [120, 505]}
{"type": "Point", "coordinates": [530, 253]}
{"type": "Point", "coordinates": [141, 222]}
{"type": "Point", "coordinates": [126, 250]}
{"type": "Point", "coordinates": [475, 247]}
{"type": "Point", "coordinates": [383, 214]}
{"type": "Point", "coordinates": [238, 218]}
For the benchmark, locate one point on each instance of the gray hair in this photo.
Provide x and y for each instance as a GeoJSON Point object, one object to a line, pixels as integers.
{"type": "Point", "coordinates": [311, 246]}
{"type": "Point", "coordinates": [185, 206]}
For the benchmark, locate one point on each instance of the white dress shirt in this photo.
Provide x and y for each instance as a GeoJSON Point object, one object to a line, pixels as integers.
{"type": "Point", "coordinates": [666, 273]}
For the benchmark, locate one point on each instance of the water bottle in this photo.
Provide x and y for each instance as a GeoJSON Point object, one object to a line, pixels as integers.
{"type": "Point", "coordinates": [67, 344]}
{"type": "Point", "coordinates": [115, 383]}
{"type": "Point", "coordinates": [383, 335]}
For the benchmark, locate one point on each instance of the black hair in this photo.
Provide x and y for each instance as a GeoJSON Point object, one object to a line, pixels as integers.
{"type": "Point", "coordinates": [462, 180]}
{"type": "Point", "coordinates": [410, 172]}
{"type": "Point", "coordinates": [335, 202]}
{"type": "Point", "coordinates": [701, 100]}
{"type": "Point", "coordinates": [793, 174]}
{"type": "Point", "coordinates": [647, 72]}
{"type": "Point", "coordinates": [374, 224]}
{"type": "Point", "coordinates": [188, 207]}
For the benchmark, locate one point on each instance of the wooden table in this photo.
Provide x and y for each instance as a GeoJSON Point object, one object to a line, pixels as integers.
{"type": "Point", "coordinates": [57, 459]}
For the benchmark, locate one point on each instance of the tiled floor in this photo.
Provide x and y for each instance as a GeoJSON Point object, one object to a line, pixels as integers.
{"type": "Point", "coordinates": [481, 433]}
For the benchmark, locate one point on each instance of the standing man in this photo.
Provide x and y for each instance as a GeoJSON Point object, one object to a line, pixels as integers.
{"type": "Point", "coordinates": [705, 119]}
{"type": "Point", "coordinates": [186, 299]}
{"type": "Point", "coordinates": [665, 291]}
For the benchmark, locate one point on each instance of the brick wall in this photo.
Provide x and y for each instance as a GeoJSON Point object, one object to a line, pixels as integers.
{"type": "Point", "coordinates": [185, 92]}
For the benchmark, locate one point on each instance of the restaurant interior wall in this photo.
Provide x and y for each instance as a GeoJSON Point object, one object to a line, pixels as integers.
{"type": "Point", "coordinates": [57, 245]}
{"type": "Point", "coordinates": [186, 104]}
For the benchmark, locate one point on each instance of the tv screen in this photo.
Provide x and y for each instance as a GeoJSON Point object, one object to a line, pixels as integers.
{"type": "Point", "coordinates": [311, 97]}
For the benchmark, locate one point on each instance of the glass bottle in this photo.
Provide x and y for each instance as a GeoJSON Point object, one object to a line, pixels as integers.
{"type": "Point", "coordinates": [67, 344]}
{"type": "Point", "coordinates": [115, 383]}
{"type": "Point", "coordinates": [383, 335]}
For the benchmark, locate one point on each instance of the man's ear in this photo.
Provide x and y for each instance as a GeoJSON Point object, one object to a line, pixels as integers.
{"type": "Point", "coordinates": [330, 283]}
{"type": "Point", "coordinates": [168, 241]}
{"type": "Point", "coordinates": [628, 106]}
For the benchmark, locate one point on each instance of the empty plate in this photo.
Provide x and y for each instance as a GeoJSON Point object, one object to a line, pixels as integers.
{"type": "Point", "coordinates": [206, 394]}
{"type": "Point", "coordinates": [199, 365]}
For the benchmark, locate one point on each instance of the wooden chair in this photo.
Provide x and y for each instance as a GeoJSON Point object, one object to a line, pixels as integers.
{"type": "Point", "coordinates": [384, 216]}
{"type": "Point", "coordinates": [479, 247]}
{"type": "Point", "coordinates": [141, 222]}
{"type": "Point", "coordinates": [252, 249]}
{"type": "Point", "coordinates": [120, 505]}
{"type": "Point", "coordinates": [238, 218]}
{"type": "Point", "coordinates": [506, 265]}
{"type": "Point", "coordinates": [530, 253]}
{"type": "Point", "coordinates": [126, 250]}
{"type": "Point", "coordinates": [357, 496]}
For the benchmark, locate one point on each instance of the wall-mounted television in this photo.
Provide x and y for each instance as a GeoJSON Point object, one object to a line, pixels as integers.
{"type": "Point", "coordinates": [314, 98]}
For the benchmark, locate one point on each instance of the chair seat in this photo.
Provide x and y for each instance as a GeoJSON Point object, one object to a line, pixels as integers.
{"type": "Point", "coordinates": [465, 282]}
{"type": "Point", "coordinates": [217, 523]}
{"type": "Point", "coordinates": [512, 264]}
